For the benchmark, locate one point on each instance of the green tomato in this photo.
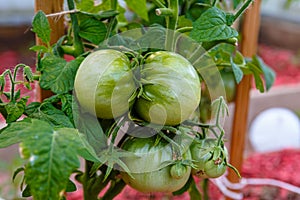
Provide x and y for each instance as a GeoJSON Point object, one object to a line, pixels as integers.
{"type": "Point", "coordinates": [178, 170]}
{"type": "Point", "coordinates": [172, 87]}
{"type": "Point", "coordinates": [214, 168]}
{"type": "Point", "coordinates": [148, 171]}
{"type": "Point", "coordinates": [210, 159]}
{"type": "Point", "coordinates": [230, 85]}
{"type": "Point", "coordinates": [104, 83]}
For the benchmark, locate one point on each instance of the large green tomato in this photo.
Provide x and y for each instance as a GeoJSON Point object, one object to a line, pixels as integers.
{"type": "Point", "coordinates": [149, 174]}
{"type": "Point", "coordinates": [172, 87]}
{"type": "Point", "coordinates": [104, 83]}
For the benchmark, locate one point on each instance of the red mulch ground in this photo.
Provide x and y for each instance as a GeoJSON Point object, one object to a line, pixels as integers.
{"type": "Point", "coordinates": [281, 165]}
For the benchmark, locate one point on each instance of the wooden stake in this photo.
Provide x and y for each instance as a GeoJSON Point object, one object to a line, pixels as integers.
{"type": "Point", "coordinates": [57, 28]}
{"type": "Point", "coordinates": [250, 30]}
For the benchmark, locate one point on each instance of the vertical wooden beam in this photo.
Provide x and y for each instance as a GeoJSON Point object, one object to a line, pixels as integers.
{"type": "Point", "coordinates": [57, 27]}
{"type": "Point", "coordinates": [249, 43]}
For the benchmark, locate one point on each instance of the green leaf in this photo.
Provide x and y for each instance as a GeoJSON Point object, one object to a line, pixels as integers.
{"type": "Point", "coordinates": [91, 128]}
{"type": "Point", "coordinates": [139, 7]}
{"type": "Point", "coordinates": [49, 113]}
{"type": "Point", "coordinates": [256, 72]}
{"type": "Point", "coordinates": [10, 134]}
{"type": "Point", "coordinates": [154, 38]}
{"type": "Point", "coordinates": [26, 192]}
{"type": "Point", "coordinates": [87, 6]}
{"type": "Point", "coordinates": [71, 187]}
{"type": "Point", "coordinates": [264, 76]}
{"type": "Point", "coordinates": [41, 26]}
{"type": "Point", "coordinates": [84, 5]}
{"type": "Point", "coordinates": [52, 155]}
{"type": "Point", "coordinates": [238, 73]}
{"type": "Point", "coordinates": [15, 109]}
{"type": "Point", "coordinates": [66, 105]}
{"type": "Point", "coordinates": [184, 22]}
{"type": "Point", "coordinates": [57, 74]}
{"type": "Point", "coordinates": [92, 30]}
{"type": "Point", "coordinates": [28, 74]}
{"type": "Point", "coordinates": [212, 25]}
{"type": "Point", "coordinates": [39, 48]}
{"type": "Point", "coordinates": [268, 73]}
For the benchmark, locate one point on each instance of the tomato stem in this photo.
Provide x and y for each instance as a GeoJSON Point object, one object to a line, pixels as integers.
{"type": "Point", "coordinates": [185, 29]}
{"type": "Point", "coordinates": [115, 188]}
{"type": "Point", "coordinates": [77, 43]}
{"type": "Point", "coordinates": [164, 12]}
{"type": "Point", "coordinates": [242, 9]}
{"type": "Point", "coordinates": [214, 3]}
{"type": "Point", "coordinates": [159, 4]}
{"type": "Point", "coordinates": [12, 77]}
{"type": "Point", "coordinates": [205, 183]}
{"type": "Point", "coordinates": [111, 21]}
{"type": "Point", "coordinates": [12, 89]}
{"type": "Point", "coordinates": [171, 23]}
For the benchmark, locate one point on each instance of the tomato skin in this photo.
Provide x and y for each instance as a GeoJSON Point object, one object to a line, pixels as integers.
{"type": "Point", "coordinates": [230, 85]}
{"type": "Point", "coordinates": [173, 86]}
{"type": "Point", "coordinates": [149, 175]}
{"type": "Point", "coordinates": [178, 170]}
{"type": "Point", "coordinates": [104, 83]}
{"type": "Point", "coordinates": [214, 169]}
{"type": "Point", "coordinates": [210, 158]}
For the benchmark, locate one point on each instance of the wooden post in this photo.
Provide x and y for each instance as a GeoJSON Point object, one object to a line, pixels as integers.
{"type": "Point", "coordinates": [56, 24]}
{"type": "Point", "coordinates": [250, 31]}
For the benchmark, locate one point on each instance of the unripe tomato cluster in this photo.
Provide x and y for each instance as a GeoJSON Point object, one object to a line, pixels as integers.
{"type": "Point", "coordinates": [168, 84]}
{"type": "Point", "coordinates": [163, 90]}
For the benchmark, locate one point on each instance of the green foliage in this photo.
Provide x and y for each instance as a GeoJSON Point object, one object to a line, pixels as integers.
{"type": "Point", "coordinates": [92, 30]}
{"type": "Point", "coordinates": [47, 112]}
{"type": "Point", "coordinates": [51, 154]}
{"type": "Point", "coordinates": [58, 74]}
{"type": "Point", "coordinates": [55, 132]}
{"type": "Point", "coordinates": [212, 25]}
{"type": "Point", "coordinates": [41, 27]}
{"type": "Point", "coordinates": [139, 7]}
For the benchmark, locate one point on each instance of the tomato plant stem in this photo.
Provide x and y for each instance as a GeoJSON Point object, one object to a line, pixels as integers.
{"type": "Point", "coordinates": [93, 184]}
{"type": "Point", "coordinates": [171, 23]}
{"type": "Point", "coordinates": [205, 183]}
{"type": "Point", "coordinates": [77, 43]}
{"type": "Point", "coordinates": [214, 2]}
{"type": "Point", "coordinates": [112, 20]}
{"type": "Point", "coordinates": [12, 78]}
{"type": "Point", "coordinates": [242, 9]}
{"type": "Point", "coordinates": [114, 4]}
{"type": "Point", "coordinates": [12, 89]}
{"type": "Point", "coordinates": [115, 188]}
{"type": "Point", "coordinates": [185, 29]}
{"type": "Point", "coordinates": [159, 4]}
